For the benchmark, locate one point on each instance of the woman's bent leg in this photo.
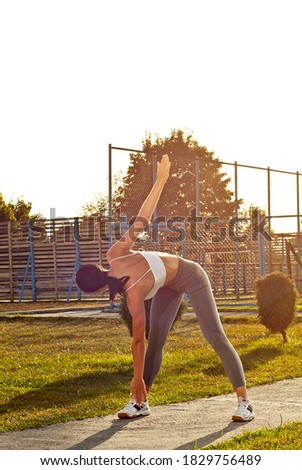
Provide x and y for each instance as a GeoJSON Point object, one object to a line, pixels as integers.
{"type": "Point", "coordinates": [164, 308]}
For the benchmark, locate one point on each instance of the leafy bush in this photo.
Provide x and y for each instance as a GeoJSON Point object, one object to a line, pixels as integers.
{"type": "Point", "coordinates": [126, 316]}
{"type": "Point", "coordinates": [276, 297]}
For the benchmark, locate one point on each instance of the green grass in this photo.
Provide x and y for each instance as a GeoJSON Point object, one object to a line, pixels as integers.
{"type": "Point", "coordinates": [286, 437]}
{"type": "Point", "coordinates": [60, 369]}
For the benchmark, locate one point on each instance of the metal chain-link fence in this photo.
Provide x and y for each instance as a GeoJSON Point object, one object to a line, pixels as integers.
{"type": "Point", "coordinates": [234, 251]}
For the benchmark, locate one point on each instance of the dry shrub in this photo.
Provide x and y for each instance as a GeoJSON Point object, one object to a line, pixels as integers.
{"type": "Point", "coordinates": [276, 297]}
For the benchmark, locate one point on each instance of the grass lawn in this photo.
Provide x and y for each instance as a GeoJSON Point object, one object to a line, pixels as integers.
{"type": "Point", "coordinates": [286, 437]}
{"type": "Point", "coordinates": [60, 369]}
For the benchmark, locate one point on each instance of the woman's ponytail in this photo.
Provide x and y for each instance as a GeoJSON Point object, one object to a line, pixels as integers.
{"type": "Point", "coordinates": [116, 286]}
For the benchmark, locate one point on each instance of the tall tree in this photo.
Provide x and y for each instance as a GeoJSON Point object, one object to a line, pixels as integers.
{"type": "Point", "coordinates": [179, 196]}
{"type": "Point", "coordinates": [98, 205]}
{"type": "Point", "coordinates": [16, 211]}
{"type": "Point", "coordinates": [6, 211]}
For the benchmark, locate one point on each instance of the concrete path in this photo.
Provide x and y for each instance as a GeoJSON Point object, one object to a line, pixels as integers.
{"type": "Point", "coordinates": [179, 426]}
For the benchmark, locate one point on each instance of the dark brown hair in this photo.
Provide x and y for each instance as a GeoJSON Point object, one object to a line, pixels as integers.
{"type": "Point", "coordinates": [91, 278]}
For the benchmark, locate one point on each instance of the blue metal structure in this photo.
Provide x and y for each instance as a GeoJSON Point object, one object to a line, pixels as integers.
{"type": "Point", "coordinates": [77, 261]}
{"type": "Point", "coordinates": [30, 263]}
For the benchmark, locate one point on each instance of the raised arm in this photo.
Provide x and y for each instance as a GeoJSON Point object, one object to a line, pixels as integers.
{"type": "Point", "coordinates": [145, 213]}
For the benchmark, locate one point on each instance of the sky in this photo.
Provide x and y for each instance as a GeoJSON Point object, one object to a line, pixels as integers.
{"type": "Point", "coordinates": [78, 75]}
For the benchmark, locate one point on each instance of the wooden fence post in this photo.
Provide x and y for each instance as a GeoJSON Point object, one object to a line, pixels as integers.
{"type": "Point", "coordinates": [10, 262]}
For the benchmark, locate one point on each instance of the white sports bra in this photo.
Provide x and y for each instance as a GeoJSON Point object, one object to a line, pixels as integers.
{"type": "Point", "coordinates": [156, 266]}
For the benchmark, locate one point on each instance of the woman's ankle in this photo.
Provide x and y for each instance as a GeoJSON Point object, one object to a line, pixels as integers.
{"type": "Point", "coordinates": [241, 392]}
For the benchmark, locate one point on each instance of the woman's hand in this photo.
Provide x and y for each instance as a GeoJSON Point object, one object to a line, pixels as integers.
{"type": "Point", "coordinates": [138, 390]}
{"type": "Point", "coordinates": [163, 169]}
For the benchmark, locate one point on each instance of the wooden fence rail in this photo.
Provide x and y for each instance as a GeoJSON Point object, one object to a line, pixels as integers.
{"type": "Point", "coordinates": [42, 268]}
{"type": "Point", "coordinates": [38, 259]}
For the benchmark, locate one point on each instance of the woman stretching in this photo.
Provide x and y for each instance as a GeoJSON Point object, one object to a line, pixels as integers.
{"type": "Point", "coordinates": [164, 278]}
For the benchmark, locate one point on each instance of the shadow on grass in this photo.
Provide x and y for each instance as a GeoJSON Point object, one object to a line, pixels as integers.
{"type": "Point", "coordinates": [249, 360]}
{"type": "Point", "coordinates": [68, 391]}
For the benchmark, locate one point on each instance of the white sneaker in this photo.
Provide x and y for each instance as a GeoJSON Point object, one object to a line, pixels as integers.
{"type": "Point", "coordinates": [244, 411]}
{"type": "Point", "coordinates": [133, 410]}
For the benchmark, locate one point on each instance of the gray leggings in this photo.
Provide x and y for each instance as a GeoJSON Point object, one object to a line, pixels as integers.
{"type": "Point", "coordinates": [192, 279]}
